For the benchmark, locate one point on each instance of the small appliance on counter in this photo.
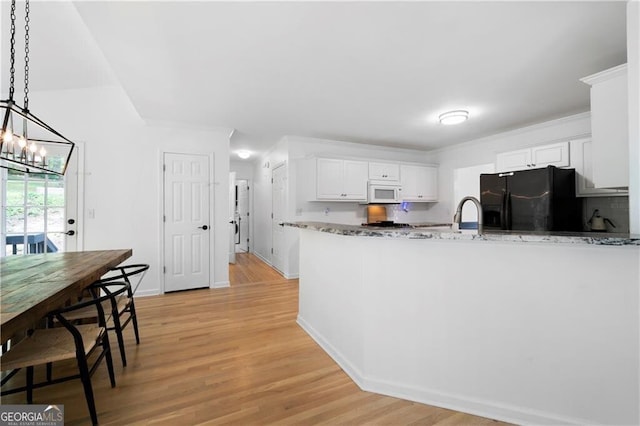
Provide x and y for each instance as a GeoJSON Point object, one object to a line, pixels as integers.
{"type": "Point", "coordinates": [599, 223]}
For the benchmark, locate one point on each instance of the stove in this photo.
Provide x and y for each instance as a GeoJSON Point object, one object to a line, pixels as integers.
{"type": "Point", "coordinates": [387, 224]}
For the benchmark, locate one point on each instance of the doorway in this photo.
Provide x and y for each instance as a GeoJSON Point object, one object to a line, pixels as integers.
{"type": "Point", "coordinates": [278, 194]}
{"type": "Point", "coordinates": [187, 221]}
{"type": "Point", "coordinates": [40, 211]}
{"type": "Point", "coordinates": [242, 204]}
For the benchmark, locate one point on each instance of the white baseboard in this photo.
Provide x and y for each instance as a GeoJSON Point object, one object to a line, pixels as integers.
{"type": "Point", "coordinates": [264, 259]}
{"type": "Point", "coordinates": [221, 284]}
{"type": "Point", "coordinates": [291, 276]}
{"type": "Point", "coordinates": [145, 293]}
{"type": "Point", "coordinates": [462, 403]}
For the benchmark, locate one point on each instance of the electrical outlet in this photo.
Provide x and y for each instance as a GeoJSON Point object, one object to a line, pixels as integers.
{"type": "Point", "coordinates": [326, 211]}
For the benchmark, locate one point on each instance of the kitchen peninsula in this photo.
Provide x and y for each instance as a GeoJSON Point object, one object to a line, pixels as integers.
{"type": "Point", "coordinates": [528, 328]}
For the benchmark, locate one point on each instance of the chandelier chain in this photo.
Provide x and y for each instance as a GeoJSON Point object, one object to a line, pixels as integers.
{"type": "Point", "coordinates": [26, 55]}
{"type": "Point", "coordinates": [12, 69]}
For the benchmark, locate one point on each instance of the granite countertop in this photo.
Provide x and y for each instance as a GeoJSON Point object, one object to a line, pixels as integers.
{"type": "Point", "coordinates": [424, 232]}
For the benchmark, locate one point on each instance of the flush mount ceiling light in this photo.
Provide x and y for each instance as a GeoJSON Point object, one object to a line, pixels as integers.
{"type": "Point", "coordinates": [244, 154]}
{"type": "Point", "coordinates": [28, 144]}
{"type": "Point", "coordinates": [454, 117]}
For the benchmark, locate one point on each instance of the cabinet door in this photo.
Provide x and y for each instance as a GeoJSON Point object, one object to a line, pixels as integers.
{"type": "Point", "coordinates": [329, 179]}
{"type": "Point", "coordinates": [355, 180]}
{"type": "Point", "coordinates": [609, 129]}
{"type": "Point", "coordinates": [513, 160]}
{"type": "Point", "coordinates": [582, 161]}
{"type": "Point", "coordinates": [384, 171]}
{"type": "Point", "coordinates": [428, 186]}
{"type": "Point", "coordinates": [419, 183]}
{"type": "Point", "coordinates": [556, 154]}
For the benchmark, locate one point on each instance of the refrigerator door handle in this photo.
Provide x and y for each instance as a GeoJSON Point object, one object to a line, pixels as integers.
{"type": "Point", "coordinates": [507, 210]}
{"type": "Point", "coordinates": [503, 212]}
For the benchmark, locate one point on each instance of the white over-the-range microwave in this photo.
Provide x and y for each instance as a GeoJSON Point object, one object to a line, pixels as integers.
{"type": "Point", "coordinates": [384, 193]}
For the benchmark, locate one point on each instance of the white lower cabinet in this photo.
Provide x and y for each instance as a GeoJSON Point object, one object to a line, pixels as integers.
{"type": "Point", "coordinates": [582, 161]}
{"type": "Point", "coordinates": [556, 154]}
{"type": "Point", "coordinates": [341, 180]}
{"type": "Point", "coordinates": [419, 183]}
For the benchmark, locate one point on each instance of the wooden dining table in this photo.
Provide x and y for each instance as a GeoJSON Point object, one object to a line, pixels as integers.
{"type": "Point", "coordinates": [33, 285]}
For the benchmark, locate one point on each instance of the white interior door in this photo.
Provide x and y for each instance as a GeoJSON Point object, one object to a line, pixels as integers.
{"type": "Point", "coordinates": [242, 217]}
{"type": "Point", "coordinates": [187, 226]}
{"type": "Point", "coordinates": [40, 212]}
{"type": "Point", "coordinates": [278, 188]}
{"type": "Point", "coordinates": [232, 217]}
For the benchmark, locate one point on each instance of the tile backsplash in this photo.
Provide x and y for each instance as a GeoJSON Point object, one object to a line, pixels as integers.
{"type": "Point", "coordinates": [616, 209]}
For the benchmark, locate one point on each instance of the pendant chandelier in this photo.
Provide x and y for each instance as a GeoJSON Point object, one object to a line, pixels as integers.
{"type": "Point", "coordinates": [28, 144]}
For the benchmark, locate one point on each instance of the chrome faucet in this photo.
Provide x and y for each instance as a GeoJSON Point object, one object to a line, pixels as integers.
{"type": "Point", "coordinates": [458, 216]}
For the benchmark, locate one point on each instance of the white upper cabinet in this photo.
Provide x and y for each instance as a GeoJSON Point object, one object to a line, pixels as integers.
{"type": "Point", "coordinates": [384, 171]}
{"type": "Point", "coordinates": [341, 180]}
{"type": "Point", "coordinates": [419, 183]}
{"type": "Point", "coordinates": [609, 127]}
{"type": "Point", "coordinates": [582, 161]}
{"type": "Point", "coordinates": [556, 154]}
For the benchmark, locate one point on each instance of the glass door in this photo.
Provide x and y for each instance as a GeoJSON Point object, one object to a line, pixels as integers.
{"type": "Point", "coordinates": [39, 212]}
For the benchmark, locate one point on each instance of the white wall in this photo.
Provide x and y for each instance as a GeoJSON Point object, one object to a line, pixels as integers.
{"type": "Point", "coordinates": [244, 169]}
{"type": "Point", "coordinates": [633, 71]}
{"type": "Point", "coordinates": [123, 179]}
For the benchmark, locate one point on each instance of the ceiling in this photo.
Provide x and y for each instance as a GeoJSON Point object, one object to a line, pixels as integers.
{"type": "Point", "coordinates": [370, 72]}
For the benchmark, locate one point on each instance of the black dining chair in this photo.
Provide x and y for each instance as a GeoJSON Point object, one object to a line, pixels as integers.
{"type": "Point", "coordinates": [65, 341]}
{"type": "Point", "coordinates": [129, 277]}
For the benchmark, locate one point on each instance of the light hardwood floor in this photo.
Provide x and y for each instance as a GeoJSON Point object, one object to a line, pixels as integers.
{"type": "Point", "coordinates": [232, 356]}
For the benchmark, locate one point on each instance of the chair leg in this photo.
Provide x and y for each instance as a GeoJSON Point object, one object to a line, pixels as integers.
{"type": "Point", "coordinates": [134, 318]}
{"type": "Point", "coordinates": [107, 353]}
{"type": "Point", "coordinates": [88, 389]}
{"type": "Point", "coordinates": [118, 329]}
{"type": "Point", "coordinates": [30, 385]}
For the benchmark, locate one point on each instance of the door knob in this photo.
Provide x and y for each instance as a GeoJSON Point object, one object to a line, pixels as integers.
{"type": "Point", "coordinates": [70, 233]}
{"type": "Point", "coordinates": [205, 227]}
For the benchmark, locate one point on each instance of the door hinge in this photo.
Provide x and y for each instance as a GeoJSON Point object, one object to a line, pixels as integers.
{"type": "Point", "coordinates": [164, 167]}
{"type": "Point", "coordinates": [164, 218]}
{"type": "Point", "coordinates": [164, 269]}
{"type": "Point", "coordinates": [271, 215]}
{"type": "Point", "coordinates": [271, 250]}
{"type": "Point", "coordinates": [247, 213]}
{"type": "Point", "coordinates": [271, 180]}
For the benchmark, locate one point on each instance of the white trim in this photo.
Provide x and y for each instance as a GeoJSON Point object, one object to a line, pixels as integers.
{"type": "Point", "coordinates": [147, 293]}
{"type": "Point", "coordinates": [212, 182]}
{"type": "Point", "coordinates": [221, 284]}
{"type": "Point", "coordinates": [605, 75]}
{"type": "Point", "coordinates": [81, 215]}
{"type": "Point", "coordinates": [462, 403]}
{"type": "Point", "coordinates": [265, 260]}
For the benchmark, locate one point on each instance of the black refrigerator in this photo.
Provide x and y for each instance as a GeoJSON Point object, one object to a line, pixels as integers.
{"type": "Point", "coordinates": [531, 200]}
